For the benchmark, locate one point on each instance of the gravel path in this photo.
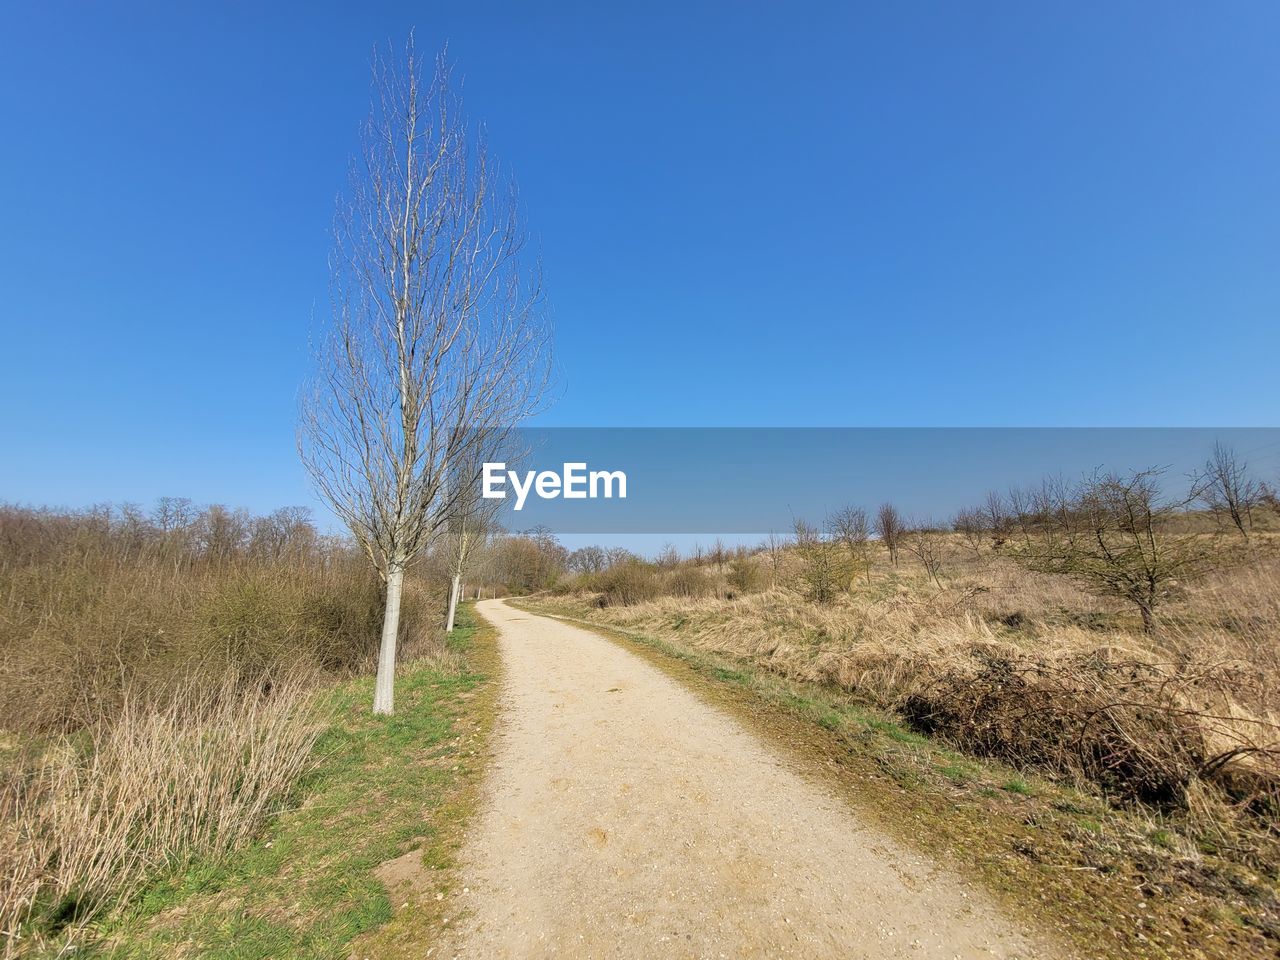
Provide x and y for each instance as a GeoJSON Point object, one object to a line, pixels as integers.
{"type": "Point", "coordinates": [627, 818]}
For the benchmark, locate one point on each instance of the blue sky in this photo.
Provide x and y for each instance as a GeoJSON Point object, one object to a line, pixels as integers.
{"type": "Point", "coordinates": [800, 214]}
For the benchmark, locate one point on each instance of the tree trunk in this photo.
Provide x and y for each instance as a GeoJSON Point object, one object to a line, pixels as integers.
{"type": "Point", "coordinates": [384, 691]}
{"type": "Point", "coordinates": [1148, 618]}
{"type": "Point", "coordinates": [453, 601]}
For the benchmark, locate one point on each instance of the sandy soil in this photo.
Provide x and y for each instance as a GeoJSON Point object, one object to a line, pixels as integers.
{"type": "Point", "coordinates": [627, 818]}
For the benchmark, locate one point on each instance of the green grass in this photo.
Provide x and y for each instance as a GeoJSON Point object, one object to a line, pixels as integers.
{"type": "Point", "coordinates": [1017, 785]}
{"type": "Point", "coordinates": [383, 786]}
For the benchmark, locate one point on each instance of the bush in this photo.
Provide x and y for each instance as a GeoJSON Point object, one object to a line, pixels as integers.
{"type": "Point", "coordinates": [744, 575]}
{"type": "Point", "coordinates": [628, 583]}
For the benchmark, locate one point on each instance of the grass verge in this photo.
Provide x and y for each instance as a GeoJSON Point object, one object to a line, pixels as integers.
{"type": "Point", "coordinates": [1115, 883]}
{"type": "Point", "coordinates": [355, 868]}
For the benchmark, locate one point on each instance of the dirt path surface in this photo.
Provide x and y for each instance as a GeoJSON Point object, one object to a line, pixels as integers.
{"type": "Point", "coordinates": [627, 818]}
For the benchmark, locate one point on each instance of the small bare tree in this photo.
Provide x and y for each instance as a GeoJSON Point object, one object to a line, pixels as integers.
{"type": "Point", "coordinates": [472, 519]}
{"type": "Point", "coordinates": [719, 555]}
{"type": "Point", "coordinates": [889, 528]}
{"type": "Point", "coordinates": [437, 342]}
{"type": "Point", "coordinates": [994, 516]}
{"type": "Point", "coordinates": [972, 527]}
{"type": "Point", "coordinates": [849, 526]}
{"type": "Point", "coordinates": [1226, 488]}
{"type": "Point", "coordinates": [774, 546]}
{"type": "Point", "coordinates": [1111, 533]}
{"type": "Point", "coordinates": [925, 544]}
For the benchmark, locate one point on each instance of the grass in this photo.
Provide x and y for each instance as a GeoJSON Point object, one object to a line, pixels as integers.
{"type": "Point", "coordinates": [385, 786]}
{"type": "Point", "coordinates": [1098, 875]}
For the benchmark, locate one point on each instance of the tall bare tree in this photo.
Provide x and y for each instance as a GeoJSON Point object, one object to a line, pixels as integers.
{"type": "Point", "coordinates": [437, 343]}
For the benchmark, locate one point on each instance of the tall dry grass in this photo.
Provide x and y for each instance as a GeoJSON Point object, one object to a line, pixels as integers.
{"type": "Point", "coordinates": [96, 814]}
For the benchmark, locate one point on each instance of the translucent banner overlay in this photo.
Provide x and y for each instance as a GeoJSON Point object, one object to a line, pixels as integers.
{"type": "Point", "coordinates": [756, 480]}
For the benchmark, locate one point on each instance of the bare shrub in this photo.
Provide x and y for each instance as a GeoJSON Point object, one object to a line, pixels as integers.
{"type": "Point", "coordinates": [849, 526]}
{"type": "Point", "coordinates": [97, 603]}
{"type": "Point", "coordinates": [1142, 731]}
{"type": "Point", "coordinates": [925, 544]}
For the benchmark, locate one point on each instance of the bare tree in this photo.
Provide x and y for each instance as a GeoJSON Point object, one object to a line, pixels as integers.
{"type": "Point", "coordinates": [437, 342]}
{"type": "Point", "coordinates": [995, 517]}
{"type": "Point", "coordinates": [774, 545]}
{"type": "Point", "coordinates": [889, 528]}
{"type": "Point", "coordinates": [972, 527]}
{"type": "Point", "coordinates": [718, 554]}
{"type": "Point", "coordinates": [472, 518]}
{"type": "Point", "coordinates": [173, 513]}
{"type": "Point", "coordinates": [925, 544]}
{"type": "Point", "coordinates": [1226, 488]}
{"type": "Point", "coordinates": [1111, 534]}
{"type": "Point", "coordinates": [849, 526]}
{"type": "Point", "coordinates": [589, 559]}
{"type": "Point", "coordinates": [616, 556]}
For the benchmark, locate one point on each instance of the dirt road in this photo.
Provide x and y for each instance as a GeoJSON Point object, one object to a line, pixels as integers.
{"type": "Point", "coordinates": [627, 818]}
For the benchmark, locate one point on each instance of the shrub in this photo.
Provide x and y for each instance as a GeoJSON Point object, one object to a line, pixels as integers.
{"type": "Point", "coordinates": [156, 676]}
{"type": "Point", "coordinates": [744, 575]}
{"type": "Point", "coordinates": [627, 583]}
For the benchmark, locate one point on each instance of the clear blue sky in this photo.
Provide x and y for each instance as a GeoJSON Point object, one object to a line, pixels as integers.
{"type": "Point", "coordinates": [799, 214]}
